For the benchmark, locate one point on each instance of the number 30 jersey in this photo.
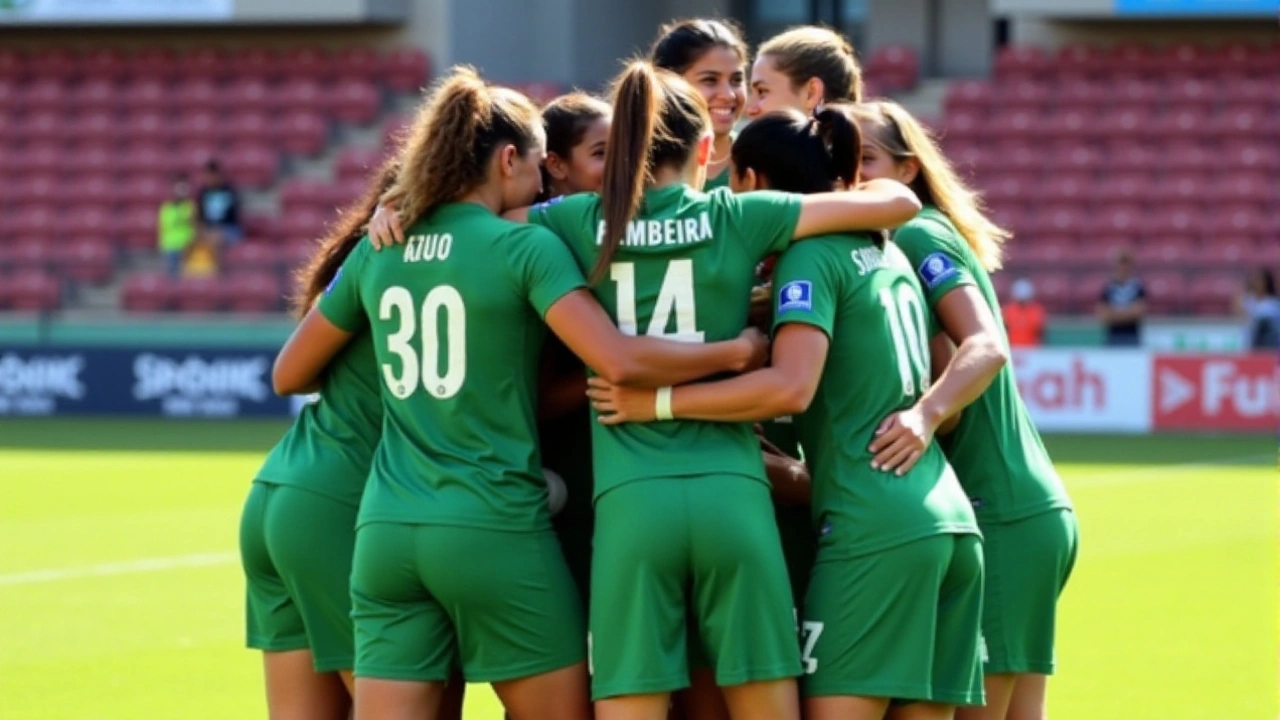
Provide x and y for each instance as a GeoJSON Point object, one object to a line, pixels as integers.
{"type": "Point", "coordinates": [869, 303]}
{"type": "Point", "coordinates": [684, 271]}
{"type": "Point", "coordinates": [455, 316]}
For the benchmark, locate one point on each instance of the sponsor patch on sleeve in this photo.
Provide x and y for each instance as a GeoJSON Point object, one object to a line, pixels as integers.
{"type": "Point", "coordinates": [546, 203]}
{"type": "Point", "coordinates": [796, 295]}
{"type": "Point", "coordinates": [936, 269]}
{"type": "Point", "coordinates": [333, 282]}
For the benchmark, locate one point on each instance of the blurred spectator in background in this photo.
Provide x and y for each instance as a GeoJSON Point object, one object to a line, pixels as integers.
{"type": "Point", "coordinates": [219, 208]}
{"type": "Point", "coordinates": [176, 226]}
{"type": "Point", "coordinates": [1260, 305]}
{"type": "Point", "coordinates": [1024, 317]}
{"type": "Point", "coordinates": [1123, 304]}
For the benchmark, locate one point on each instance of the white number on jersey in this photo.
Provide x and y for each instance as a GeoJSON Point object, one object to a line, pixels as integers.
{"type": "Point", "coordinates": [424, 366]}
{"type": "Point", "coordinates": [675, 296]}
{"type": "Point", "coordinates": [810, 633]}
{"type": "Point", "coordinates": [910, 340]}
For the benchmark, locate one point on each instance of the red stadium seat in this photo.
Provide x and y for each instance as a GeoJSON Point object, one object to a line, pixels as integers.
{"type": "Point", "coordinates": [255, 63]}
{"type": "Point", "coordinates": [44, 94]}
{"type": "Point", "coordinates": [894, 67]}
{"type": "Point", "coordinates": [145, 158]}
{"type": "Point", "coordinates": [1134, 58]}
{"type": "Point", "coordinates": [1135, 92]}
{"type": "Point", "coordinates": [55, 64]}
{"type": "Point", "coordinates": [970, 95]}
{"type": "Point", "coordinates": [197, 126]}
{"type": "Point", "coordinates": [301, 194]}
{"type": "Point", "coordinates": [1213, 293]}
{"type": "Point", "coordinates": [303, 225]}
{"type": "Point", "coordinates": [1082, 157]}
{"type": "Point", "coordinates": [198, 95]}
{"type": "Point", "coordinates": [357, 163]}
{"type": "Point", "coordinates": [14, 65]}
{"type": "Point", "coordinates": [1021, 62]}
{"type": "Point", "coordinates": [33, 292]}
{"type": "Point", "coordinates": [1165, 252]}
{"type": "Point", "coordinates": [197, 295]}
{"type": "Point", "coordinates": [1044, 252]}
{"type": "Point", "coordinates": [1244, 122]}
{"type": "Point", "coordinates": [301, 95]}
{"type": "Point", "coordinates": [1080, 59]}
{"type": "Point", "coordinates": [1244, 188]}
{"type": "Point", "coordinates": [191, 156]}
{"type": "Point", "coordinates": [356, 63]}
{"type": "Point", "coordinates": [1023, 95]}
{"type": "Point", "coordinates": [1183, 57]}
{"type": "Point", "coordinates": [253, 166]}
{"type": "Point", "coordinates": [1125, 122]}
{"type": "Point", "coordinates": [1181, 189]}
{"type": "Point", "coordinates": [96, 128]}
{"type": "Point", "coordinates": [1017, 125]}
{"type": "Point", "coordinates": [405, 70]}
{"type": "Point", "coordinates": [148, 127]}
{"type": "Point", "coordinates": [44, 126]}
{"type": "Point", "coordinates": [92, 190]}
{"type": "Point", "coordinates": [393, 128]}
{"type": "Point", "coordinates": [1182, 124]}
{"type": "Point", "coordinates": [354, 101]}
{"type": "Point", "coordinates": [297, 254]}
{"type": "Point", "coordinates": [96, 160]}
{"type": "Point", "coordinates": [85, 259]}
{"type": "Point", "coordinates": [1226, 250]}
{"type": "Point", "coordinates": [37, 189]}
{"type": "Point", "coordinates": [965, 126]}
{"type": "Point", "coordinates": [1193, 92]}
{"type": "Point", "coordinates": [1056, 220]}
{"type": "Point", "coordinates": [1117, 219]}
{"type": "Point", "coordinates": [11, 95]}
{"type": "Point", "coordinates": [1239, 220]}
{"type": "Point", "coordinates": [252, 257]}
{"type": "Point", "coordinates": [1122, 187]}
{"type": "Point", "coordinates": [41, 158]}
{"type": "Point", "coordinates": [106, 64]}
{"type": "Point", "coordinates": [1072, 124]}
{"type": "Point", "coordinates": [1190, 156]}
{"type": "Point", "coordinates": [30, 256]}
{"type": "Point", "coordinates": [1053, 289]}
{"type": "Point", "coordinates": [147, 293]}
{"type": "Point", "coordinates": [1252, 157]}
{"type": "Point", "coordinates": [135, 228]}
{"type": "Point", "coordinates": [1166, 292]}
{"type": "Point", "coordinates": [98, 94]}
{"type": "Point", "coordinates": [260, 227]}
{"type": "Point", "coordinates": [1007, 189]}
{"type": "Point", "coordinates": [143, 191]}
{"type": "Point", "coordinates": [252, 292]}
{"type": "Point", "coordinates": [1172, 221]}
{"type": "Point", "coordinates": [248, 94]}
{"type": "Point", "coordinates": [302, 133]}
{"type": "Point", "coordinates": [154, 64]}
{"type": "Point", "coordinates": [208, 64]}
{"type": "Point", "coordinates": [307, 63]}
{"type": "Point", "coordinates": [1065, 188]}
{"type": "Point", "coordinates": [147, 95]}
{"type": "Point", "coordinates": [247, 127]}
{"type": "Point", "coordinates": [87, 220]}
{"type": "Point", "coordinates": [1082, 94]}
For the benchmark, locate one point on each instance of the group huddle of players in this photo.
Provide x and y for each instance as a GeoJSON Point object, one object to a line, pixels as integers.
{"type": "Point", "coordinates": [743, 528]}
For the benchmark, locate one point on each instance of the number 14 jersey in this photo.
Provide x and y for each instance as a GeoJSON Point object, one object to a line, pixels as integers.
{"type": "Point", "coordinates": [684, 271]}
{"type": "Point", "coordinates": [455, 316]}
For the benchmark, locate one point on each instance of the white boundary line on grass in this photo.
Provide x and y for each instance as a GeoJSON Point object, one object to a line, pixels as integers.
{"type": "Point", "coordinates": [129, 567]}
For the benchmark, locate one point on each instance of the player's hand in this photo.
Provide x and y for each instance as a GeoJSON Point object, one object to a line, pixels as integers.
{"type": "Point", "coordinates": [384, 228]}
{"type": "Point", "coordinates": [900, 441]}
{"type": "Point", "coordinates": [760, 314]}
{"type": "Point", "coordinates": [755, 350]}
{"type": "Point", "coordinates": [617, 404]}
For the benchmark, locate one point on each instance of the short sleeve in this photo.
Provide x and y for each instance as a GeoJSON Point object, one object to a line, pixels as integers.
{"type": "Point", "coordinates": [804, 289]}
{"type": "Point", "coordinates": [937, 261]}
{"type": "Point", "coordinates": [572, 217]}
{"type": "Point", "coordinates": [765, 220]}
{"type": "Point", "coordinates": [543, 268]}
{"type": "Point", "coordinates": [340, 302]}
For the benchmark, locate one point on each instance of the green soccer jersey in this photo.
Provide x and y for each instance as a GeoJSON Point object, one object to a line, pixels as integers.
{"type": "Point", "coordinates": [869, 303]}
{"type": "Point", "coordinates": [455, 315]}
{"type": "Point", "coordinates": [995, 449]}
{"type": "Point", "coordinates": [717, 182]}
{"type": "Point", "coordinates": [684, 271]}
{"type": "Point", "coordinates": [330, 446]}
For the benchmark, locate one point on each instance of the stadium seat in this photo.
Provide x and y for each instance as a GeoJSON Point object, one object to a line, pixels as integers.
{"type": "Point", "coordinates": [97, 94]}
{"type": "Point", "coordinates": [255, 63]}
{"type": "Point", "coordinates": [1252, 157]}
{"type": "Point", "coordinates": [260, 227]}
{"type": "Point", "coordinates": [1182, 124]}
{"type": "Point", "coordinates": [303, 225]}
{"type": "Point", "coordinates": [1189, 155]}
{"type": "Point", "coordinates": [1053, 289]}
{"type": "Point", "coordinates": [1214, 293]}
{"type": "Point", "coordinates": [147, 95]}
{"type": "Point", "coordinates": [248, 127]}
{"type": "Point", "coordinates": [1017, 125]}
{"type": "Point", "coordinates": [1023, 95]}
{"type": "Point", "coordinates": [357, 63]}
{"type": "Point", "coordinates": [357, 163]}
{"type": "Point", "coordinates": [207, 64]}
{"type": "Point", "coordinates": [195, 126]}
{"type": "Point", "coordinates": [969, 95]}
{"type": "Point", "coordinates": [1193, 92]}
{"type": "Point", "coordinates": [301, 133]}
{"type": "Point", "coordinates": [1166, 291]}
{"type": "Point", "coordinates": [37, 189]}
{"type": "Point", "coordinates": [405, 69]}
{"type": "Point", "coordinates": [55, 64]}
{"type": "Point", "coordinates": [252, 165]}
{"type": "Point", "coordinates": [36, 255]}
{"type": "Point", "coordinates": [1042, 252]}
{"type": "Point", "coordinates": [298, 95]}
{"type": "Point", "coordinates": [154, 64]}
{"type": "Point", "coordinates": [1181, 189]}
{"type": "Point", "coordinates": [145, 159]}
{"type": "Point", "coordinates": [107, 64]}
{"type": "Point", "coordinates": [198, 95]}
{"type": "Point", "coordinates": [197, 295]}
{"type": "Point", "coordinates": [89, 190]}
{"type": "Point", "coordinates": [96, 160]}
{"type": "Point", "coordinates": [32, 292]}
{"type": "Point", "coordinates": [1171, 221]}
{"type": "Point", "coordinates": [1251, 91]}
{"type": "Point", "coordinates": [1020, 62]}
{"type": "Point", "coordinates": [44, 126]}
{"type": "Point", "coordinates": [44, 94]}
{"type": "Point", "coordinates": [1123, 187]}
{"type": "Point", "coordinates": [1244, 187]}
{"type": "Point", "coordinates": [147, 293]}
{"type": "Point", "coordinates": [1082, 94]}
{"type": "Point", "coordinates": [1080, 59]}
{"type": "Point", "coordinates": [248, 94]}
{"type": "Point", "coordinates": [1064, 188]}
{"type": "Point", "coordinates": [13, 65]}
{"type": "Point", "coordinates": [1165, 252]}
{"type": "Point", "coordinates": [895, 68]}
{"type": "Point", "coordinates": [307, 63]}
{"type": "Point", "coordinates": [354, 101]}
{"type": "Point", "coordinates": [95, 128]}
{"type": "Point", "coordinates": [252, 257]}
{"type": "Point", "coordinates": [393, 128]}
{"type": "Point", "coordinates": [252, 292]}
{"type": "Point", "coordinates": [143, 191]}
{"type": "Point", "coordinates": [134, 228]}
{"type": "Point", "coordinates": [1226, 250]}
{"type": "Point", "coordinates": [85, 259]}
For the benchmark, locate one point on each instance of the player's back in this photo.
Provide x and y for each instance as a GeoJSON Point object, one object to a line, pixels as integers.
{"type": "Point", "coordinates": [683, 270]}
{"type": "Point", "coordinates": [457, 342]}
{"type": "Point", "coordinates": [868, 300]}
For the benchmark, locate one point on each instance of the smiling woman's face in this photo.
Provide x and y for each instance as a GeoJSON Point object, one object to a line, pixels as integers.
{"type": "Point", "coordinates": [721, 78]}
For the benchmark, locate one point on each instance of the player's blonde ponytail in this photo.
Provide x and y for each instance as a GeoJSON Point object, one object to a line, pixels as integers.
{"type": "Point", "coordinates": [893, 129]}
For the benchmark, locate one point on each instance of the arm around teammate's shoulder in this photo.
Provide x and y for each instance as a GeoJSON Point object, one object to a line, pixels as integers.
{"type": "Point", "coordinates": [874, 205]}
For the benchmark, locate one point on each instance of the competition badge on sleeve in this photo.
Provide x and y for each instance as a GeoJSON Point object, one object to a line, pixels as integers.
{"type": "Point", "coordinates": [796, 295]}
{"type": "Point", "coordinates": [936, 269]}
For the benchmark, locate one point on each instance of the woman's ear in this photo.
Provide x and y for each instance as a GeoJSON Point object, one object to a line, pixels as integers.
{"type": "Point", "coordinates": [705, 146]}
{"type": "Point", "coordinates": [814, 92]}
{"type": "Point", "coordinates": [909, 171]}
{"type": "Point", "coordinates": [556, 166]}
{"type": "Point", "coordinates": [750, 180]}
{"type": "Point", "coordinates": [507, 160]}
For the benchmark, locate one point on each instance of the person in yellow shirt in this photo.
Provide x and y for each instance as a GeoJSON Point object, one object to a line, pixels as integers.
{"type": "Point", "coordinates": [176, 225]}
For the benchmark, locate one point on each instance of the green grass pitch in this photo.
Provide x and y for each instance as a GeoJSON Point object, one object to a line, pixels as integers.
{"type": "Point", "coordinates": [121, 592]}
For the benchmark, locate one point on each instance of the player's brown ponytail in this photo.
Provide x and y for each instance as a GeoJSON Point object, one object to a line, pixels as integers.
{"type": "Point", "coordinates": [447, 148]}
{"type": "Point", "coordinates": [658, 119]}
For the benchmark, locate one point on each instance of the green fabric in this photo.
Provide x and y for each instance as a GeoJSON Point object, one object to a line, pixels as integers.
{"type": "Point", "coordinates": [176, 225]}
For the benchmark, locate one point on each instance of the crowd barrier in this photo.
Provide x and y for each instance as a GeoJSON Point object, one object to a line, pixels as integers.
{"type": "Point", "coordinates": [1084, 390]}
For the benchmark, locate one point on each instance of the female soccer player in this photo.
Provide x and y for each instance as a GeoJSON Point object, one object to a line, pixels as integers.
{"type": "Point", "coordinates": [455, 562]}
{"type": "Point", "coordinates": [658, 251]}
{"type": "Point", "coordinates": [577, 126]}
{"type": "Point", "coordinates": [803, 68]}
{"type": "Point", "coordinates": [1021, 504]}
{"type": "Point", "coordinates": [712, 56]}
{"type": "Point", "coordinates": [894, 603]}
{"type": "Point", "coordinates": [297, 532]}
